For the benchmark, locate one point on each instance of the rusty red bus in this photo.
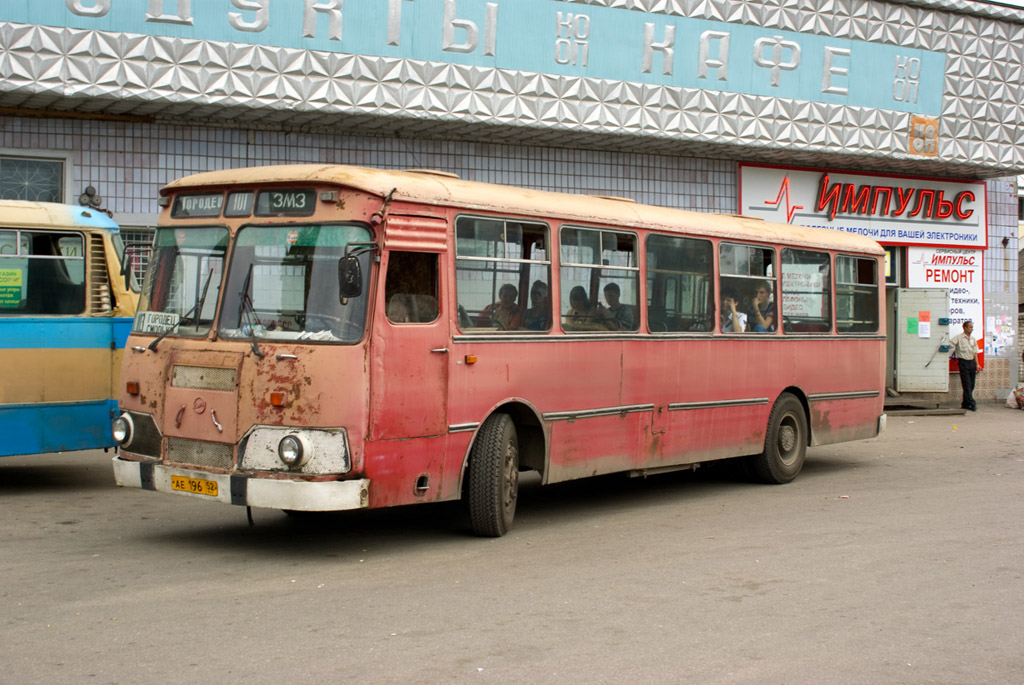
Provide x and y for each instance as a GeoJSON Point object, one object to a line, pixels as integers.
{"type": "Point", "coordinates": [323, 338]}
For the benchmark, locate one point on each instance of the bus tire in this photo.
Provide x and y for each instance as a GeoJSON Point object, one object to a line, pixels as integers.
{"type": "Point", "coordinates": [494, 477]}
{"type": "Point", "coordinates": [785, 443]}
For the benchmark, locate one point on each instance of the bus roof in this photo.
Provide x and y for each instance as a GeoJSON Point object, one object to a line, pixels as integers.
{"type": "Point", "coordinates": [23, 214]}
{"type": "Point", "coordinates": [447, 190]}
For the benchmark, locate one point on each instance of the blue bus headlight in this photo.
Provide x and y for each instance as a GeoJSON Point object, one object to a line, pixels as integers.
{"type": "Point", "coordinates": [123, 429]}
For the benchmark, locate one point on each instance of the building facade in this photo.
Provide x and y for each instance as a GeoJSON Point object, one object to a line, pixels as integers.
{"type": "Point", "coordinates": [763, 107]}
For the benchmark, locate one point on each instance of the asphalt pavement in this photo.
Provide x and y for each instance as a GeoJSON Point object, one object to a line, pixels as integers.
{"type": "Point", "coordinates": [894, 560]}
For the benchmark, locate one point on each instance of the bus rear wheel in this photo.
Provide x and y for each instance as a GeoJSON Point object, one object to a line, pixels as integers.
{"type": "Point", "coordinates": [494, 477]}
{"type": "Point", "coordinates": [785, 444]}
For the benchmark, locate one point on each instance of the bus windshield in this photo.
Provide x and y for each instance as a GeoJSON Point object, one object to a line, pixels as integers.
{"type": "Point", "coordinates": [183, 281]}
{"type": "Point", "coordinates": [283, 285]}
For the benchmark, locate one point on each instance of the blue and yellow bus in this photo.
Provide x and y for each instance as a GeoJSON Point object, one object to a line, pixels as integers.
{"type": "Point", "coordinates": [65, 313]}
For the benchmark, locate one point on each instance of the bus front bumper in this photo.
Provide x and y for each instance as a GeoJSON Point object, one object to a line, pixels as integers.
{"type": "Point", "coordinates": [296, 495]}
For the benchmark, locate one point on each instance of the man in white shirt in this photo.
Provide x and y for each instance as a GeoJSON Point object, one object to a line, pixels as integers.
{"type": "Point", "coordinates": [965, 350]}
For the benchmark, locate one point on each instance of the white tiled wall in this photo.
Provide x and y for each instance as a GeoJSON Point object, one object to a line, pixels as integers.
{"type": "Point", "coordinates": [128, 162]}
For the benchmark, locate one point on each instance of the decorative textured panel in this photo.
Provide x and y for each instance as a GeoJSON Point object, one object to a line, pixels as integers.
{"type": "Point", "coordinates": [981, 123]}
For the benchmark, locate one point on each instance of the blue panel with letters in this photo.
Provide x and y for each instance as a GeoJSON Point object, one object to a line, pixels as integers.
{"type": "Point", "coordinates": [543, 37]}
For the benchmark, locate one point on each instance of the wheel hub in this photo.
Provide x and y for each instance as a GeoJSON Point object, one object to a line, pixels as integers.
{"type": "Point", "coordinates": [787, 438]}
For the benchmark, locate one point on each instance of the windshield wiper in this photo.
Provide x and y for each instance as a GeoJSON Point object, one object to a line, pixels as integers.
{"type": "Point", "coordinates": [196, 311]}
{"type": "Point", "coordinates": [245, 306]}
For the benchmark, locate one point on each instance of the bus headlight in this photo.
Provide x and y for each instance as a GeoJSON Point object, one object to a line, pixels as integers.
{"type": "Point", "coordinates": [122, 428]}
{"type": "Point", "coordinates": [293, 451]}
{"type": "Point", "coordinates": [275, 448]}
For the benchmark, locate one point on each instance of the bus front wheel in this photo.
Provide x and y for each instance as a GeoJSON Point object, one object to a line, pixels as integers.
{"type": "Point", "coordinates": [785, 444]}
{"type": "Point", "coordinates": [494, 477]}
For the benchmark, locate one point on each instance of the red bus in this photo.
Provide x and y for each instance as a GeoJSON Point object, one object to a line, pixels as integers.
{"type": "Point", "coordinates": [322, 338]}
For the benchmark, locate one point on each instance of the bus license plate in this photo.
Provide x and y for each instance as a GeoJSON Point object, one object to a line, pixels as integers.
{"type": "Point", "coordinates": [196, 486]}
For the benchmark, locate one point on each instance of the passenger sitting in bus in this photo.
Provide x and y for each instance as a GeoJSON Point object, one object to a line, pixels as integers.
{"type": "Point", "coordinates": [761, 317]}
{"type": "Point", "coordinates": [733, 321]}
{"type": "Point", "coordinates": [582, 316]}
{"type": "Point", "coordinates": [505, 313]}
{"type": "Point", "coordinates": [538, 316]}
{"type": "Point", "coordinates": [623, 315]}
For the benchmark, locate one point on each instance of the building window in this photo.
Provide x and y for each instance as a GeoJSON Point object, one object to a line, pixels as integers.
{"type": "Point", "coordinates": [24, 178]}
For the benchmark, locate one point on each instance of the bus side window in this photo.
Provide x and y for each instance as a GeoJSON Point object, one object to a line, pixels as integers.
{"type": "Point", "coordinates": [747, 283]}
{"type": "Point", "coordinates": [411, 287]}
{"type": "Point", "coordinates": [47, 275]}
{"type": "Point", "coordinates": [502, 275]}
{"type": "Point", "coordinates": [679, 277]}
{"type": "Point", "coordinates": [597, 262]}
{"type": "Point", "coordinates": [856, 294]}
{"type": "Point", "coordinates": [807, 286]}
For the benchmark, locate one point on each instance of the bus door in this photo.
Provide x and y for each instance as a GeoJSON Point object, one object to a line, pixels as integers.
{"type": "Point", "coordinates": [410, 350]}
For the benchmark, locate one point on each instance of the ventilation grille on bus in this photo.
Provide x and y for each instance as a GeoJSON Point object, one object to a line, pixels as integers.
{"type": "Point", "coordinates": [203, 377]}
{"type": "Point", "coordinates": [199, 453]}
{"type": "Point", "coordinates": [100, 301]}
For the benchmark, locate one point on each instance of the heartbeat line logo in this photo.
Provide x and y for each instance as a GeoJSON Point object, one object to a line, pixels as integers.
{"type": "Point", "coordinates": [790, 209]}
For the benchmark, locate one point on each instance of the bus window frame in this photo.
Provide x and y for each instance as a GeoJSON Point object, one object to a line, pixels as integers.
{"type": "Point", "coordinates": [270, 222]}
{"type": "Point", "coordinates": [412, 301]}
{"type": "Point", "coordinates": [829, 283]}
{"type": "Point", "coordinates": [151, 270]}
{"type": "Point", "coordinates": [522, 294]}
{"type": "Point", "coordinates": [595, 284]}
{"type": "Point", "coordinates": [84, 235]}
{"type": "Point", "coordinates": [773, 280]}
{"type": "Point", "coordinates": [876, 286]}
{"type": "Point", "coordinates": [647, 271]}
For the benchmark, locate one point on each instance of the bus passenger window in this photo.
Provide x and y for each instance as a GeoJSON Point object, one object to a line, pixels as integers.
{"type": "Point", "coordinates": [747, 277]}
{"type": "Point", "coordinates": [502, 272]}
{"type": "Point", "coordinates": [596, 263]}
{"type": "Point", "coordinates": [410, 287]}
{"type": "Point", "coordinates": [856, 295]}
{"type": "Point", "coordinates": [679, 292]}
{"type": "Point", "coordinates": [806, 287]}
{"type": "Point", "coordinates": [42, 273]}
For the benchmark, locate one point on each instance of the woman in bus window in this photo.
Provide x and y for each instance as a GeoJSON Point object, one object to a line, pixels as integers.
{"type": "Point", "coordinates": [761, 318]}
{"type": "Point", "coordinates": [505, 313]}
{"type": "Point", "coordinates": [538, 316]}
{"type": "Point", "coordinates": [583, 316]}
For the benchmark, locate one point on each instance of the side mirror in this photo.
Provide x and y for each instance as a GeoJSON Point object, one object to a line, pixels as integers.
{"type": "Point", "coordinates": [350, 277]}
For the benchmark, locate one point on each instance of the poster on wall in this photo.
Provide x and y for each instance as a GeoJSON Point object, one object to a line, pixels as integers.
{"type": "Point", "coordinates": [962, 273]}
{"type": "Point", "coordinates": [1000, 333]}
{"type": "Point", "coordinates": [803, 285]}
